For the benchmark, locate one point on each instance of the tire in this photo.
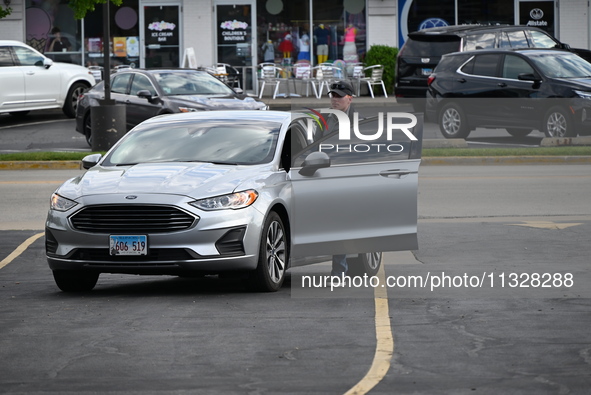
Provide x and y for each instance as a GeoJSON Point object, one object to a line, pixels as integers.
{"type": "Point", "coordinates": [71, 101]}
{"type": "Point", "coordinates": [364, 264]}
{"type": "Point", "coordinates": [518, 132]}
{"type": "Point", "coordinates": [87, 127]}
{"type": "Point", "coordinates": [452, 122]}
{"type": "Point", "coordinates": [75, 281]}
{"type": "Point", "coordinates": [558, 123]}
{"type": "Point", "coordinates": [273, 256]}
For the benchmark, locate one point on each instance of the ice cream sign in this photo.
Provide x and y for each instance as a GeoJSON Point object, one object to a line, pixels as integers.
{"type": "Point", "coordinates": [161, 32]}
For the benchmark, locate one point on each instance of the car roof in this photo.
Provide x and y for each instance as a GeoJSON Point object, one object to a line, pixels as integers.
{"type": "Point", "coordinates": [465, 29]}
{"type": "Point", "coordinates": [159, 70]}
{"type": "Point", "coordinates": [13, 42]}
{"type": "Point", "coordinates": [232, 116]}
{"type": "Point", "coordinates": [525, 51]}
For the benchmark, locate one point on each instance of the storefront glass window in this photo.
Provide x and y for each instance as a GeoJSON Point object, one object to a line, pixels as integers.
{"type": "Point", "coordinates": [490, 12]}
{"type": "Point", "coordinates": [285, 36]}
{"type": "Point", "coordinates": [124, 28]}
{"type": "Point", "coordinates": [52, 30]}
{"type": "Point", "coordinates": [424, 14]}
{"type": "Point", "coordinates": [283, 31]}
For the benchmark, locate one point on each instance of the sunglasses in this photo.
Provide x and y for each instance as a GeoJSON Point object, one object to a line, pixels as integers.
{"type": "Point", "coordinates": [340, 87]}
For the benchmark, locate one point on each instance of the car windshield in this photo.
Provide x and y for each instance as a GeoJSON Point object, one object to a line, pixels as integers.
{"type": "Point", "coordinates": [191, 83]}
{"type": "Point", "coordinates": [240, 142]}
{"type": "Point", "coordinates": [566, 65]}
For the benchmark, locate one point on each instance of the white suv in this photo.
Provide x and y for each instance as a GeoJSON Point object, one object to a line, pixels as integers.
{"type": "Point", "coordinates": [31, 81]}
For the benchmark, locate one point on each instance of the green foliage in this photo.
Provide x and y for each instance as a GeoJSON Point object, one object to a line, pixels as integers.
{"type": "Point", "coordinates": [386, 56]}
{"type": "Point", "coordinates": [4, 12]}
{"type": "Point", "coordinates": [82, 7]}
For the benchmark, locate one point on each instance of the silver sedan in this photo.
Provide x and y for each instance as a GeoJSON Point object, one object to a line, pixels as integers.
{"type": "Point", "coordinates": [234, 191]}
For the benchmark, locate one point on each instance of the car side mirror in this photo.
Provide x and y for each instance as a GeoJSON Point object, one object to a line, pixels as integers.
{"type": "Point", "coordinates": [91, 160]}
{"type": "Point", "coordinates": [238, 91]}
{"type": "Point", "coordinates": [529, 77]}
{"type": "Point", "coordinates": [145, 94]}
{"type": "Point", "coordinates": [564, 46]}
{"type": "Point", "coordinates": [47, 63]}
{"type": "Point", "coordinates": [314, 161]}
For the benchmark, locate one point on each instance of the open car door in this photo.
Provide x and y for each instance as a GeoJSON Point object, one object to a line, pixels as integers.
{"type": "Point", "coordinates": [356, 195]}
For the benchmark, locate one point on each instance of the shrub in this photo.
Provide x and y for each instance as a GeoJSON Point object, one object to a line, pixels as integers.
{"type": "Point", "coordinates": [386, 56]}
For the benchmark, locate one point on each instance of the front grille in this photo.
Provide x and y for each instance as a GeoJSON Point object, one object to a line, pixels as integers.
{"type": "Point", "coordinates": [132, 218]}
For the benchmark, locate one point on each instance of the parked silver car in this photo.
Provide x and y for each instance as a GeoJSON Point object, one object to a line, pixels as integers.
{"type": "Point", "coordinates": [234, 191]}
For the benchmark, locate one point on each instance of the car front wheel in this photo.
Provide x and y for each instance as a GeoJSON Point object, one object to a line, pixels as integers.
{"type": "Point", "coordinates": [452, 122]}
{"type": "Point", "coordinates": [75, 281]}
{"type": "Point", "coordinates": [273, 256]}
{"type": "Point", "coordinates": [368, 263]}
{"type": "Point", "coordinates": [558, 123]}
{"type": "Point", "coordinates": [72, 99]}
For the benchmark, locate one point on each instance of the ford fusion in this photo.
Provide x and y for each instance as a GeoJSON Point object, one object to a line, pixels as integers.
{"type": "Point", "coordinates": [252, 192]}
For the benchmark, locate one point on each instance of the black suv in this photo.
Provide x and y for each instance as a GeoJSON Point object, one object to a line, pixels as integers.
{"type": "Point", "coordinates": [519, 90]}
{"type": "Point", "coordinates": [423, 49]}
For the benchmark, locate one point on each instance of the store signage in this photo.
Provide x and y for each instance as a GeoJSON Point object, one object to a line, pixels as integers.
{"type": "Point", "coordinates": [233, 31]}
{"type": "Point", "coordinates": [537, 14]}
{"type": "Point", "coordinates": [162, 33]}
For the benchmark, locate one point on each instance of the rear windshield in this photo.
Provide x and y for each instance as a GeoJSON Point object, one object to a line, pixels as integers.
{"type": "Point", "coordinates": [431, 46]}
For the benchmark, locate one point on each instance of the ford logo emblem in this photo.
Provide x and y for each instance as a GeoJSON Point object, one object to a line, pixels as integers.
{"type": "Point", "coordinates": [131, 197]}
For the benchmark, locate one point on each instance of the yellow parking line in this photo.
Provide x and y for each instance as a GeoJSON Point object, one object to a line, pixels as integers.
{"type": "Point", "coordinates": [20, 249]}
{"type": "Point", "coordinates": [384, 341]}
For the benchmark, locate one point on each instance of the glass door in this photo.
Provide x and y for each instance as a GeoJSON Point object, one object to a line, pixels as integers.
{"type": "Point", "coordinates": [161, 30]}
{"type": "Point", "coordinates": [235, 40]}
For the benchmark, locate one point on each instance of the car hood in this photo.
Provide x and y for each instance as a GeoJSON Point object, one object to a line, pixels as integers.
{"type": "Point", "coordinates": [196, 180]}
{"type": "Point", "coordinates": [219, 102]}
{"type": "Point", "coordinates": [576, 83]}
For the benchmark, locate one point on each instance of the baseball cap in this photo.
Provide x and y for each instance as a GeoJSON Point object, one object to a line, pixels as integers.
{"type": "Point", "coordinates": [341, 88]}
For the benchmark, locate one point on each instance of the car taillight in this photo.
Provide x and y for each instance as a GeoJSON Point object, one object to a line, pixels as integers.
{"type": "Point", "coordinates": [430, 79]}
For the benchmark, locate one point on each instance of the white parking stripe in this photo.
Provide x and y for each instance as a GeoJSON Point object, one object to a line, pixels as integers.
{"type": "Point", "coordinates": [20, 249]}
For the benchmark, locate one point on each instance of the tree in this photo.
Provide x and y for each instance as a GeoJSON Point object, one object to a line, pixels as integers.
{"type": "Point", "coordinates": [82, 7]}
{"type": "Point", "coordinates": [5, 12]}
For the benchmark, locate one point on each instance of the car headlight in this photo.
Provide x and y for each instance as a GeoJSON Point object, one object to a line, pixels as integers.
{"type": "Point", "coordinates": [232, 201]}
{"type": "Point", "coordinates": [583, 94]}
{"type": "Point", "coordinates": [188, 109]}
{"type": "Point", "coordinates": [60, 203]}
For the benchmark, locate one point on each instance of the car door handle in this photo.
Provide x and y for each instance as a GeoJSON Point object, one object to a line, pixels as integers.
{"type": "Point", "coordinates": [30, 73]}
{"type": "Point", "coordinates": [395, 173]}
{"type": "Point", "coordinates": [461, 80]}
{"type": "Point", "coordinates": [501, 84]}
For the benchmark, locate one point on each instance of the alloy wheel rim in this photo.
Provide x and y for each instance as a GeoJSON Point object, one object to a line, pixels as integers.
{"type": "Point", "coordinates": [275, 247]}
{"type": "Point", "coordinates": [451, 121]}
{"type": "Point", "coordinates": [373, 260]}
{"type": "Point", "coordinates": [77, 92]}
{"type": "Point", "coordinates": [556, 125]}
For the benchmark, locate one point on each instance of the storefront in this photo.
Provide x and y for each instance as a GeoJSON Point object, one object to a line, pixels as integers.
{"type": "Point", "coordinates": [421, 14]}
{"type": "Point", "coordinates": [244, 33]}
{"type": "Point", "coordinates": [146, 36]}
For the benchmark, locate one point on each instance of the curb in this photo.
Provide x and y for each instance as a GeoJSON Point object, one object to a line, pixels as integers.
{"type": "Point", "coordinates": [426, 161]}
{"type": "Point", "coordinates": [42, 165]}
{"type": "Point", "coordinates": [506, 160]}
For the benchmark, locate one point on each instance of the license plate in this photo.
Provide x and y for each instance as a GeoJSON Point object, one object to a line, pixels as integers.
{"type": "Point", "coordinates": [128, 245]}
{"type": "Point", "coordinates": [427, 71]}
